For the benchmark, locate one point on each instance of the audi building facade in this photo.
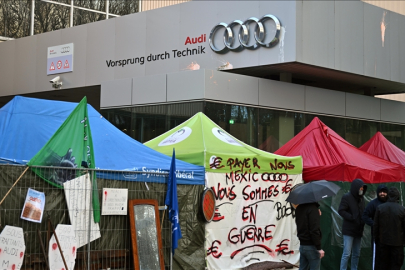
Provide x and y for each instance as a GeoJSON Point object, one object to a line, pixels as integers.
{"type": "Point", "coordinates": [262, 70]}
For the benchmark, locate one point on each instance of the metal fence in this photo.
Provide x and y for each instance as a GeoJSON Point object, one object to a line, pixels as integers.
{"type": "Point", "coordinates": [113, 249]}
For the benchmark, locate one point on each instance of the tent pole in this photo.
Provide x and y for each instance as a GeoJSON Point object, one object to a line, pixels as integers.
{"type": "Point", "coordinates": [90, 221]}
{"type": "Point", "coordinates": [57, 242]}
{"type": "Point", "coordinates": [15, 183]}
{"type": "Point", "coordinates": [171, 252]}
{"type": "Point", "coordinates": [163, 218]}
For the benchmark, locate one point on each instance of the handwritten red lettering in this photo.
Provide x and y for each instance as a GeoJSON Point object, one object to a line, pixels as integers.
{"type": "Point", "coordinates": [213, 250]}
{"type": "Point", "coordinates": [280, 165]}
{"type": "Point", "coordinates": [216, 164]}
{"type": "Point", "coordinates": [250, 233]}
{"type": "Point", "coordinates": [283, 249]}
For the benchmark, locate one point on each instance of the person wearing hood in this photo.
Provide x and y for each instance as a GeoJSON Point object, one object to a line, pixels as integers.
{"type": "Point", "coordinates": [389, 232]}
{"type": "Point", "coordinates": [369, 213]}
{"type": "Point", "coordinates": [351, 209]}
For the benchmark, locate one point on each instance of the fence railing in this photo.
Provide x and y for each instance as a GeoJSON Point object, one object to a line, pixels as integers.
{"type": "Point", "coordinates": [113, 249]}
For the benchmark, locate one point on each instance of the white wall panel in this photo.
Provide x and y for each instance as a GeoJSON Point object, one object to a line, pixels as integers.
{"type": "Point", "coordinates": [116, 93]}
{"type": "Point", "coordinates": [7, 54]}
{"type": "Point", "coordinates": [281, 95]}
{"type": "Point", "coordinates": [231, 87]}
{"type": "Point", "coordinates": [359, 106]}
{"type": "Point", "coordinates": [324, 101]}
{"type": "Point", "coordinates": [392, 111]}
{"type": "Point", "coordinates": [187, 85]}
{"type": "Point", "coordinates": [149, 89]}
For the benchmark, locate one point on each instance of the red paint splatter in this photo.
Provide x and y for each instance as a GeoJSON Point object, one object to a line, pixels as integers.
{"type": "Point", "coordinates": [63, 269]}
{"type": "Point", "coordinates": [21, 254]}
{"type": "Point", "coordinates": [1, 250]}
{"type": "Point", "coordinates": [73, 250]}
{"type": "Point", "coordinates": [105, 193]}
{"type": "Point", "coordinates": [54, 246]}
{"type": "Point", "coordinates": [13, 267]}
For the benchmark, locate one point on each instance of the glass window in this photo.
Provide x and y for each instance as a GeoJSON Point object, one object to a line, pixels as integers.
{"type": "Point", "coordinates": [239, 121]}
{"type": "Point", "coordinates": [50, 17]}
{"type": "Point", "coordinates": [120, 118]}
{"type": "Point", "coordinates": [15, 18]}
{"type": "Point", "coordinates": [83, 16]}
{"type": "Point", "coordinates": [149, 122]}
{"type": "Point", "coordinates": [148, 126]}
{"type": "Point", "coordinates": [277, 127]}
{"type": "Point", "coordinates": [91, 4]}
{"type": "Point", "coordinates": [120, 7]}
{"type": "Point", "coordinates": [262, 128]}
{"type": "Point", "coordinates": [358, 131]}
{"type": "Point", "coordinates": [394, 133]}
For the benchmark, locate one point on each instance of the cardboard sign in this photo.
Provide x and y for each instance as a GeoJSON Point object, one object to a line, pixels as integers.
{"type": "Point", "coordinates": [115, 201]}
{"type": "Point", "coordinates": [78, 198]}
{"type": "Point", "coordinates": [12, 248]}
{"type": "Point", "coordinates": [67, 241]}
{"type": "Point", "coordinates": [33, 206]}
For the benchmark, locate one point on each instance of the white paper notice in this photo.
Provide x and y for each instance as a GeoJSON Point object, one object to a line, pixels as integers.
{"type": "Point", "coordinates": [12, 248]}
{"type": "Point", "coordinates": [115, 201]}
{"type": "Point", "coordinates": [78, 195]}
{"type": "Point", "coordinates": [67, 241]}
{"type": "Point", "coordinates": [34, 206]}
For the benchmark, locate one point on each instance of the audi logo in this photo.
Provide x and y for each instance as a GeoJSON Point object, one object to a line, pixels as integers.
{"type": "Point", "coordinates": [65, 49]}
{"type": "Point", "coordinates": [243, 36]}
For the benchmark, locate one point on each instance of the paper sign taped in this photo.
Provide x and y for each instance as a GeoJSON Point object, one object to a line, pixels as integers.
{"type": "Point", "coordinates": [12, 248]}
{"type": "Point", "coordinates": [67, 241]}
{"type": "Point", "coordinates": [34, 206]}
{"type": "Point", "coordinates": [78, 199]}
{"type": "Point", "coordinates": [115, 201]}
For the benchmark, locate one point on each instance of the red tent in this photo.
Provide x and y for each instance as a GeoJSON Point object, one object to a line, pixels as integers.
{"type": "Point", "coordinates": [379, 146]}
{"type": "Point", "coordinates": [328, 156]}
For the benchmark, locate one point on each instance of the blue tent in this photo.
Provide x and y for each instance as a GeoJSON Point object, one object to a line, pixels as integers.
{"type": "Point", "coordinates": [26, 124]}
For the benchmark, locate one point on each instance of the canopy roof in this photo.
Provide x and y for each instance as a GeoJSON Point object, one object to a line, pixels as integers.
{"type": "Point", "coordinates": [26, 124]}
{"type": "Point", "coordinates": [379, 146]}
{"type": "Point", "coordinates": [328, 156]}
{"type": "Point", "coordinates": [202, 142]}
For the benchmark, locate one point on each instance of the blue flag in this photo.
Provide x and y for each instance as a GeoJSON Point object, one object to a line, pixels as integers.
{"type": "Point", "coordinates": [172, 203]}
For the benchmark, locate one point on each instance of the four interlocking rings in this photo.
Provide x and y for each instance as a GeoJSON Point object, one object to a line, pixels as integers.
{"type": "Point", "coordinates": [259, 34]}
{"type": "Point", "coordinates": [65, 49]}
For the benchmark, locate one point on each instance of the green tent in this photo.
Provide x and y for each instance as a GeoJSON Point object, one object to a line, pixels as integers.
{"type": "Point", "coordinates": [250, 188]}
{"type": "Point", "coordinates": [199, 140]}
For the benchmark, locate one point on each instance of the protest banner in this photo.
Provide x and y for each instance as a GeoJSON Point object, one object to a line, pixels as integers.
{"type": "Point", "coordinates": [78, 198]}
{"type": "Point", "coordinates": [67, 241]}
{"type": "Point", "coordinates": [12, 248]}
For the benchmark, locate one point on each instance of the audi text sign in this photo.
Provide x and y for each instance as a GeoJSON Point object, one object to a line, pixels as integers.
{"type": "Point", "coordinates": [60, 59]}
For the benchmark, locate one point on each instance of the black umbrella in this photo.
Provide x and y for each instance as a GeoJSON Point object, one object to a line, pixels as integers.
{"type": "Point", "coordinates": [312, 192]}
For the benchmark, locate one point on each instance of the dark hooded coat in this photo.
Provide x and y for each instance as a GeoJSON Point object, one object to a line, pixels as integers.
{"type": "Point", "coordinates": [369, 213]}
{"type": "Point", "coordinates": [308, 223]}
{"type": "Point", "coordinates": [389, 221]}
{"type": "Point", "coordinates": [351, 209]}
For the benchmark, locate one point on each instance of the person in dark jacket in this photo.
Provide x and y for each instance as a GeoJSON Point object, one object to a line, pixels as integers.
{"type": "Point", "coordinates": [369, 213]}
{"type": "Point", "coordinates": [389, 233]}
{"type": "Point", "coordinates": [351, 209]}
{"type": "Point", "coordinates": [307, 218]}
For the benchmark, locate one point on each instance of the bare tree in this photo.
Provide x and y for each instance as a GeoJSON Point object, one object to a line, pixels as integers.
{"type": "Point", "coordinates": [15, 14]}
{"type": "Point", "coordinates": [50, 17]}
{"type": "Point", "coordinates": [120, 7]}
{"type": "Point", "coordinates": [14, 18]}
